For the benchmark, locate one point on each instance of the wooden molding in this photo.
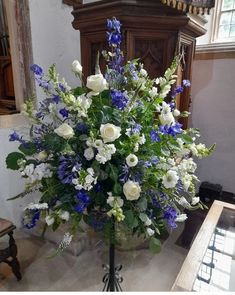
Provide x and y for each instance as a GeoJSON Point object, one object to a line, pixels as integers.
{"type": "Point", "coordinates": [72, 2]}
{"type": "Point", "coordinates": [215, 51]}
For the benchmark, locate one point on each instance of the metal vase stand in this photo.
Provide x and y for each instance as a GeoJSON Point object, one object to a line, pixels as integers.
{"type": "Point", "coordinates": [112, 279]}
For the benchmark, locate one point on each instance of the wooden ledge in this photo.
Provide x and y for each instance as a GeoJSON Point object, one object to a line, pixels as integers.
{"type": "Point", "coordinates": [215, 51]}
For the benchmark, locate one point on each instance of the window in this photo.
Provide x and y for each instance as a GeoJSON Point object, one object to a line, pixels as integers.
{"type": "Point", "coordinates": [224, 21]}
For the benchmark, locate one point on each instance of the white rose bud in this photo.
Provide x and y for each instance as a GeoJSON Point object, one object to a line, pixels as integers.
{"type": "Point", "coordinates": [195, 200]}
{"type": "Point", "coordinates": [143, 73]}
{"type": "Point", "coordinates": [132, 160]}
{"type": "Point", "coordinates": [97, 83]}
{"type": "Point", "coordinates": [89, 153]}
{"type": "Point", "coordinates": [64, 215]}
{"type": "Point", "coordinates": [150, 231]}
{"type": "Point", "coordinates": [65, 131]}
{"type": "Point", "coordinates": [181, 218]}
{"type": "Point", "coordinates": [131, 190]}
{"type": "Point", "coordinates": [176, 113]}
{"type": "Point", "coordinates": [76, 67]}
{"type": "Point", "coordinates": [110, 132]}
{"type": "Point", "coordinates": [49, 220]}
{"type": "Point", "coordinates": [42, 156]}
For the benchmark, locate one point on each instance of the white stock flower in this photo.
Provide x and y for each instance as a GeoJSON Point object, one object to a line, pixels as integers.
{"type": "Point", "coordinates": [36, 206]}
{"type": "Point", "coordinates": [105, 153]}
{"type": "Point", "coordinates": [142, 139]}
{"type": "Point", "coordinates": [166, 118]}
{"type": "Point", "coordinates": [76, 67]}
{"type": "Point", "coordinates": [131, 160]}
{"type": "Point", "coordinates": [136, 147]}
{"type": "Point", "coordinates": [97, 83]}
{"type": "Point", "coordinates": [132, 190]}
{"type": "Point", "coordinates": [195, 200]}
{"type": "Point", "coordinates": [170, 179]}
{"type": "Point", "coordinates": [110, 132]}
{"type": "Point", "coordinates": [186, 180]}
{"type": "Point", "coordinates": [64, 215]}
{"type": "Point", "coordinates": [49, 220]}
{"type": "Point", "coordinates": [150, 231]}
{"type": "Point", "coordinates": [89, 153]}
{"type": "Point", "coordinates": [42, 156]}
{"type": "Point", "coordinates": [65, 131]}
{"type": "Point", "coordinates": [181, 218]}
{"type": "Point", "coordinates": [153, 92]}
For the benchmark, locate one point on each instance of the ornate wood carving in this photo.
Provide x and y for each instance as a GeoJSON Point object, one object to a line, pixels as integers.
{"type": "Point", "coordinates": [152, 31]}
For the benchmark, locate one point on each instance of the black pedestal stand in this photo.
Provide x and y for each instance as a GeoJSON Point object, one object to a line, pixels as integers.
{"type": "Point", "coordinates": [112, 278]}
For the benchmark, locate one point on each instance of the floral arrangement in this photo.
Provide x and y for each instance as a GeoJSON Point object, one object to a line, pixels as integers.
{"type": "Point", "coordinates": [112, 149]}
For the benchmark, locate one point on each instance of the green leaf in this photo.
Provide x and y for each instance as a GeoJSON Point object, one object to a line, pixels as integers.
{"type": "Point", "coordinates": [155, 245]}
{"type": "Point", "coordinates": [11, 160]}
{"type": "Point", "coordinates": [78, 91]}
{"type": "Point", "coordinates": [30, 150]}
{"type": "Point", "coordinates": [142, 204]}
{"type": "Point", "coordinates": [130, 220]}
{"type": "Point", "coordinates": [113, 172]}
{"type": "Point", "coordinates": [186, 138]}
{"type": "Point", "coordinates": [54, 142]}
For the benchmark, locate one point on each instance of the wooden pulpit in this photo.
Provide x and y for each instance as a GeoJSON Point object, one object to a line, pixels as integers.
{"type": "Point", "coordinates": [152, 31]}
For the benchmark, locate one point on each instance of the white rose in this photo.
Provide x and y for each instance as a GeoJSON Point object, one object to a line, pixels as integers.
{"type": "Point", "coordinates": [110, 132]}
{"type": "Point", "coordinates": [170, 179]}
{"type": "Point", "coordinates": [131, 190]}
{"type": "Point", "coordinates": [97, 83]}
{"type": "Point", "coordinates": [176, 113]}
{"type": "Point", "coordinates": [89, 153]}
{"type": "Point", "coordinates": [150, 231]}
{"type": "Point", "coordinates": [181, 218]}
{"type": "Point", "coordinates": [132, 160]}
{"type": "Point", "coordinates": [49, 220]}
{"type": "Point", "coordinates": [76, 67]}
{"type": "Point", "coordinates": [64, 215]}
{"type": "Point", "coordinates": [42, 156]}
{"type": "Point", "coordinates": [65, 131]}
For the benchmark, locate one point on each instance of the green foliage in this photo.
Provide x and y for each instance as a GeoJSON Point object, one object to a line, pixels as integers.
{"type": "Point", "coordinates": [12, 160]}
{"type": "Point", "coordinates": [29, 150]}
{"type": "Point", "coordinates": [155, 245]}
{"type": "Point", "coordinates": [54, 142]}
{"type": "Point", "coordinates": [130, 219]}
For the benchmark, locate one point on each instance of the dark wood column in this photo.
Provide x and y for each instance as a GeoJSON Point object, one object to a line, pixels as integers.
{"type": "Point", "coordinates": [152, 31]}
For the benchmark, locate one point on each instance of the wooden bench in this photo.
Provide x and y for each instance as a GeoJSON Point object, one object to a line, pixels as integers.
{"type": "Point", "coordinates": [9, 254]}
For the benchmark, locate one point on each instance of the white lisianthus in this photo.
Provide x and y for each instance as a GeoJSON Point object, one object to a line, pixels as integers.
{"type": "Point", "coordinates": [98, 143]}
{"type": "Point", "coordinates": [170, 179]}
{"type": "Point", "coordinates": [97, 83]}
{"type": "Point", "coordinates": [150, 231]}
{"type": "Point", "coordinates": [113, 201]}
{"type": "Point", "coordinates": [49, 220]}
{"type": "Point", "coordinates": [176, 113]}
{"type": "Point", "coordinates": [131, 160]}
{"type": "Point", "coordinates": [64, 215]}
{"type": "Point", "coordinates": [143, 73]}
{"type": "Point", "coordinates": [42, 156]}
{"type": "Point", "coordinates": [148, 222]}
{"type": "Point", "coordinates": [132, 190]}
{"type": "Point", "coordinates": [110, 132]}
{"type": "Point", "coordinates": [195, 200]}
{"type": "Point", "coordinates": [153, 92]}
{"type": "Point", "coordinates": [89, 153]}
{"type": "Point", "coordinates": [65, 131]}
{"type": "Point", "coordinates": [181, 218]}
{"type": "Point", "coordinates": [76, 67]}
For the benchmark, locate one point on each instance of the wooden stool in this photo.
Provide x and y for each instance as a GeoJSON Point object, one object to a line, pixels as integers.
{"type": "Point", "coordinates": [9, 254]}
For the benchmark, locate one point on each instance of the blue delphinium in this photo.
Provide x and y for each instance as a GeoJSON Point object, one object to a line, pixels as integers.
{"type": "Point", "coordinates": [125, 173]}
{"type": "Point", "coordinates": [82, 127]}
{"type": "Point", "coordinates": [55, 99]}
{"type": "Point", "coordinates": [170, 215]}
{"type": "Point", "coordinates": [34, 215]}
{"type": "Point", "coordinates": [186, 83]}
{"type": "Point", "coordinates": [178, 89]}
{"type": "Point", "coordinates": [37, 70]}
{"type": "Point", "coordinates": [83, 201]}
{"type": "Point", "coordinates": [119, 99]}
{"type": "Point", "coordinates": [172, 130]}
{"type": "Point", "coordinates": [66, 165]}
{"type": "Point", "coordinates": [64, 112]}
{"type": "Point", "coordinates": [154, 136]}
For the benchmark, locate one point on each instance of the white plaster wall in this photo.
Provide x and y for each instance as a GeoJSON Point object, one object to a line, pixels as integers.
{"type": "Point", "coordinates": [213, 112]}
{"type": "Point", "coordinates": [54, 41]}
